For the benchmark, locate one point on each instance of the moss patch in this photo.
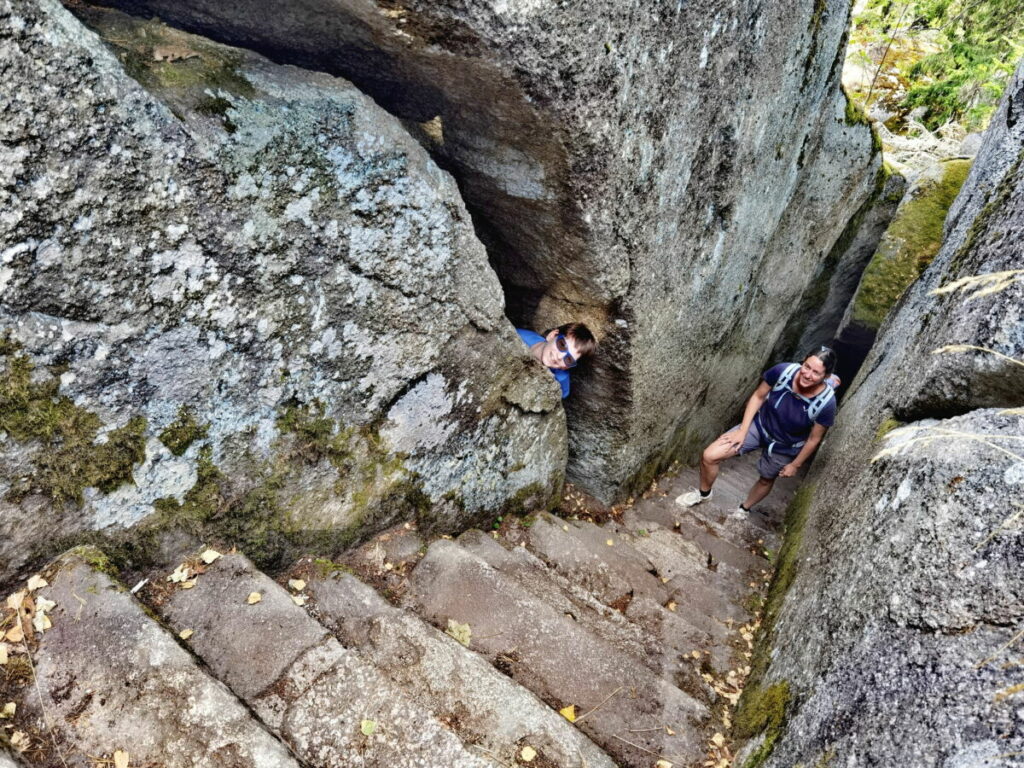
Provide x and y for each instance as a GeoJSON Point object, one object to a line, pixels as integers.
{"type": "Point", "coordinates": [182, 432]}
{"type": "Point", "coordinates": [855, 114]}
{"type": "Point", "coordinates": [908, 247]}
{"type": "Point", "coordinates": [761, 708]}
{"type": "Point", "coordinates": [72, 455]}
{"type": "Point", "coordinates": [885, 427]}
{"type": "Point", "coordinates": [762, 712]}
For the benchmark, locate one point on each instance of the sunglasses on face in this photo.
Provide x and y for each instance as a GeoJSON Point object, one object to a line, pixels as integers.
{"type": "Point", "coordinates": [562, 345]}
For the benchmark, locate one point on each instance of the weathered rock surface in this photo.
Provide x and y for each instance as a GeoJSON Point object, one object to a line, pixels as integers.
{"type": "Point", "coordinates": [112, 678]}
{"type": "Point", "coordinates": [658, 171]}
{"type": "Point", "coordinates": [459, 686]}
{"type": "Point", "coordinates": [295, 675]}
{"type": "Point", "coordinates": [908, 246]}
{"type": "Point", "coordinates": [6, 760]}
{"type": "Point", "coordinates": [898, 642]}
{"type": "Point", "coordinates": [271, 313]}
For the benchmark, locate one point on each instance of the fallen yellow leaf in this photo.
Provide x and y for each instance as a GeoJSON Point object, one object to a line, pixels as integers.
{"type": "Point", "coordinates": [671, 605]}
{"type": "Point", "coordinates": [528, 754]}
{"type": "Point", "coordinates": [15, 634]}
{"type": "Point", "coordinates": [185, 634]}
{"type": "Point", "coordinates": [299, 600]}
{"type": "Point", "coordinates": [253, 598]}
{"type": "Point", "coordinates": [8, 710]}
{"type": "Point", "coordinates": [669, 731]}
{"type": "Point", "coordinates": [36, 582]}
{"type": "Point", "coordinates": [41, 622]}
{"type": "Point", "coordinates": [461, 632]}
{"type": "Point", "coordinates": [20, 741]}
{"type": "Point", "coordinates": [569, 713]}
{"type": "Point", "coordinates": [209, 556]}
{"type": "Point", "coordinates": [188, 584]}
{"type": "Point", "coordinates": [610, 542]}
{"type": "Point", "coordinates": [14, 601]}
{"type": "Point", "coordinates": [3, 653]}
{"type": "Point", "coordinates": [718, 739]}
{"type": "Point", "coordinates": [120, 759]}
{"type": "Point", "coordinates": [297, 584]}
{"type": "Point", "coordinates": [367, 727]}
{"type": "Point", "coordinates": [663, 764]}
{"type": "Point", "coordinates": [179, 574]}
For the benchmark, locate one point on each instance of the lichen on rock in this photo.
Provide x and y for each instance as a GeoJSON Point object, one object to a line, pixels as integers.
{"type": "Point", "coordinates": [196, 250]}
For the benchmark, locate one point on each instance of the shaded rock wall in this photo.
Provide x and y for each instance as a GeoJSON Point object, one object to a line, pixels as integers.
{"type": "Point", "coordinates": [259, 306]}
{"type": "Point", "coordinates": [898, 642]}
{"type": "Point", "coordinates": [671, 174]}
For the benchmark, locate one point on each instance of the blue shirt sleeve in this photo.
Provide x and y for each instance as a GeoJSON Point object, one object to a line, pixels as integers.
{"type": "Point", "coordinates": [773, 373]}
{"type": "Point", "coordinates": [562, 377]}
{"type": "Point", "coordinates": [827, 417]}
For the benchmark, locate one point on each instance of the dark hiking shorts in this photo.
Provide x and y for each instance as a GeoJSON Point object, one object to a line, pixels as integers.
{"type": "Point", "coordinates": [768, 466]}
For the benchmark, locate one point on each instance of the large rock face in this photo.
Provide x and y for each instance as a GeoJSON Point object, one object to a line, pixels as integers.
{"type": "Point", "coordinates": [671, 174]}
{"type": "Point", "coordinates": [898, 642]}
{"type": "Point", "coordinates": [270, 314]}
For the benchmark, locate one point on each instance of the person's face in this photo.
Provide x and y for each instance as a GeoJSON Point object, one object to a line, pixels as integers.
{"type": "Point", "coordinates": [554, 355]}
{"type": "Point", "coordinates": [811, 374]}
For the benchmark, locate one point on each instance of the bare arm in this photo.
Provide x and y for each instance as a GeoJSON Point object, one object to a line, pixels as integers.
{"type": "Point", "coordinates": [736, 436]}
{"type": "Point", "coordinates": [817, 432]}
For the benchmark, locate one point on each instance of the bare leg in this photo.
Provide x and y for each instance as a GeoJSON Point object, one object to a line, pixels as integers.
{"type": "Point", "coordinates": [759, 490]}
{"type": "Point", "coordinates": [725, 447]}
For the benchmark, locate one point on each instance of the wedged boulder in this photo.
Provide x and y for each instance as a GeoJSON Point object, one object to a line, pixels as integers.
{"type": "Point", "coordinates": [111, 678]}
{"type": "Point", "coordinates": [240, 295]}
{"type": "Point", "coordinates": [484, 706]}
{"type": "Point", "coordinates": [655, 170]}
{"type": "Point", "coordinates": [540, 646]}
{"type": "Point", "coordinates": [333, 707]}
{"type": "Point", "coordinates": [906, 592]}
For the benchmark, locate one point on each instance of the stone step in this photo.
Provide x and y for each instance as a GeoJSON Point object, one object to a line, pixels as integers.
{"type": "Point", "coordinates": [332, 707]}
{"type": "Point", "coordinates": [485, 707]}
{"type": "Point", "coordinates": [622, 577]}
{"type": "Point", "coordinates": [7, 760]}
{"type": "Point", "coordinates": [532, 576]}
{"type": "Point", "coordinates": [626, 709]}
{"type": "Point", "coordinates": [111, 678]}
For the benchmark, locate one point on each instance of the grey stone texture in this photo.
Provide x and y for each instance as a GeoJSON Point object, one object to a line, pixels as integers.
{"type": "Point", "coordinates": [112, 678]}
{"type": "Point", "coordinates": [484, 706]}
{"type": "Point", "coordinates": [671, 174]}
{"type": "Point", "coordinates": [294, 674]}
{"type": "Point", "coordinates": [900, 636]}
{"type": "Point", "coordinates": [6, 760]}
{"type": "Point", "coordinates": [268, 249]}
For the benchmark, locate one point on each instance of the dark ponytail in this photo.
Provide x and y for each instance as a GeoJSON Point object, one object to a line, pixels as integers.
{"type": "Point", "coordinates": [828, 358]}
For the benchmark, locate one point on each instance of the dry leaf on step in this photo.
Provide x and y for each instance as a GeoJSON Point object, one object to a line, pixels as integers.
{"type": "Point", "coordinates": [569, 713]}
{"type": "Point", "coordinates": [8, 710]}
{"type": "Point", "coordinates": [173, 53]}
{"type": "Point", "coordinates": [185, 634]}
{"type": "Point", "coordinates": [718, 739]}
{"type": "Point", "coordinates": [188, 584]}
{"type": "Point", "coordinates": [663, 764]}
{"type": "Point", "coordinates": [20, 741]}
{"type": "Point", "coordinates": [297, 584]}
{"type": "Point", "coordinates": [209, 556]}
{"type": "Point", "coordinates": [36, 582]}
{"type": "Point", "coordinates": [253, 598]}
{"type": "Point", "coordinates": [528, 754]}
{"type": "Point", "coordinates": [461, 632]}
{"type": "Point", "coordinates": [120, 759]}
{"type": "Point", "coordinates": [367, 727]}
{"type": "Point", "coordinates": [14, 601]}
{"type": "Point", "coordinates": [299, 600]}
{"type": "Point", "coordinates": [179, 574]}
{"type": "Point", "coordinates": [15, 634]}
{"type": "Point", "coordinates": [3, 653]}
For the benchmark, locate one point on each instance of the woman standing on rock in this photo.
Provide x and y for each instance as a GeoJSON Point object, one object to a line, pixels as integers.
{"type": "Point", "coordinates": [786, 417]}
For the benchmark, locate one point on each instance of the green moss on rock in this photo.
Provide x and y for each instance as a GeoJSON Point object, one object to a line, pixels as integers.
{"type": "Point", "coordinates": [182, 432]}
{"type": "Point", "coordinates": [886, 426]}
{"type": "Point", "coordinates": [72, 455]}
{"type": "Point", "coordinates": [762, 711]}
{"type": "Point", "coordinates": [908, 247]}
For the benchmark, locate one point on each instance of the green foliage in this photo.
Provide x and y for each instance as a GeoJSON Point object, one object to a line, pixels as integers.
{"type": "Point", "coordinates": [908, 247]}
{"type": "Point", "coordinates": [71, 458]}
{"type": "Point", "coordinates": [182, 432]}
{"type": "Point", "coordinates": [762, 710]}
{"type": "Point", "coordinates": [975, 45]}
{"type": "Point", "coordinates": [885, 427]}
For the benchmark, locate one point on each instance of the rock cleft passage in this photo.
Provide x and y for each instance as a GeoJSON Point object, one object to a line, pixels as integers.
{"type": "Point", "coordinates": [493, 650]}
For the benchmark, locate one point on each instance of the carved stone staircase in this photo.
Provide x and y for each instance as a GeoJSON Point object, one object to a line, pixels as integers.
{"type": "Point", "coordinates": [549, 642]}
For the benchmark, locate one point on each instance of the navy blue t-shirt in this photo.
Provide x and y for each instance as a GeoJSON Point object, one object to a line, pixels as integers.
{"type": "Point", "coordinates": [561, 376]}
{"type": "Point", "coordinates": [783, 417]}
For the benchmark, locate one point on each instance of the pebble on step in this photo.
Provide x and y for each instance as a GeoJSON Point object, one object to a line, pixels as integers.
{"type": "Point", "coordinates": [112, 678]}
{"type": "Point", "coordinates": [483, 705]}
{"type": "Point", "coordinates": [332, 707]}
{"type": "Point", "coordinates": [626, 709]}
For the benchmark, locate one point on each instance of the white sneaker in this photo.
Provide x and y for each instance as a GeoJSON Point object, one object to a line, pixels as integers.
{"type": "Point", "coordinates": [740, 513]}
{"type": "Point", "coordinates": [692, 498]}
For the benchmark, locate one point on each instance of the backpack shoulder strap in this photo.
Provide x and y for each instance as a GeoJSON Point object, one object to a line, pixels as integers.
{"type": "Point", "coordinates": [786, 377]}
{"type": "Point", "coordinates": [822, 399]}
